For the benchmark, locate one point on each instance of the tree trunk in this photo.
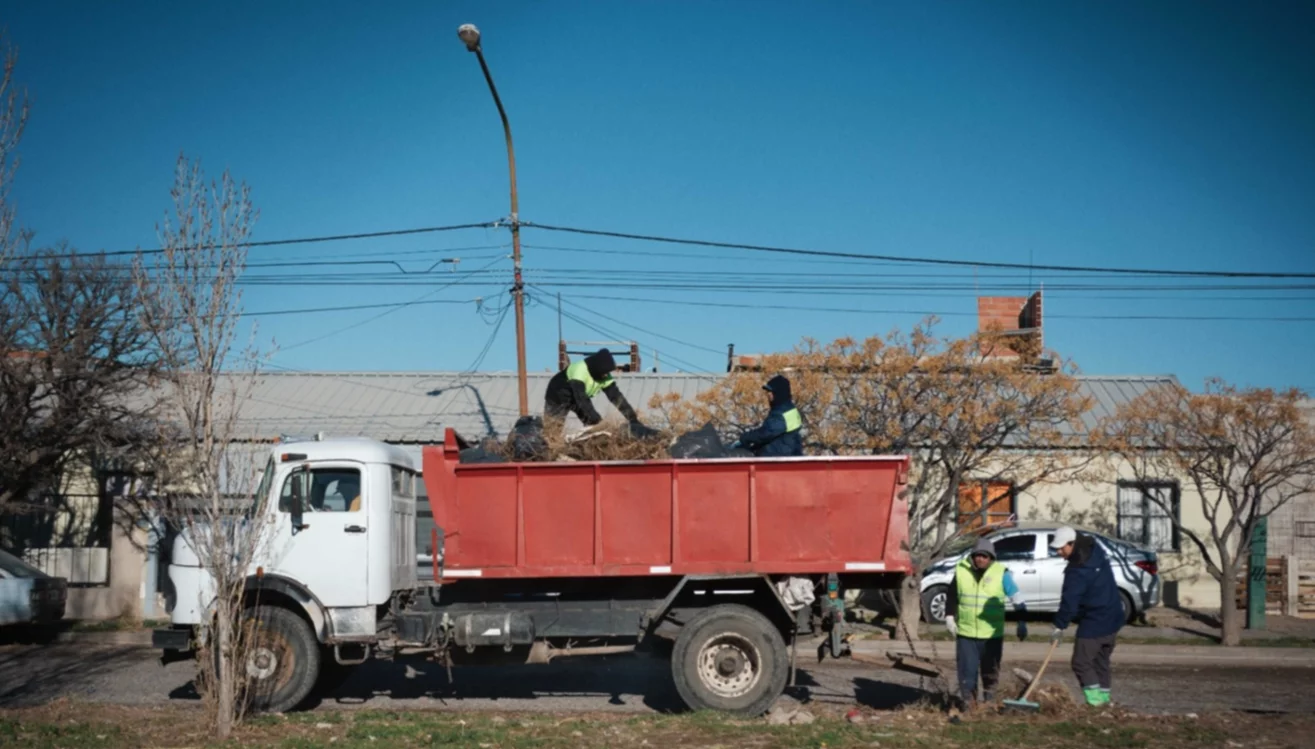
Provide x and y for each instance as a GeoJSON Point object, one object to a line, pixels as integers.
{"type": "Point", "coordinates": [225, 673]}
{"type": "Point", "coordinates": [1230, 620]}
{"type": "Point", "coordinates": [910, 607]}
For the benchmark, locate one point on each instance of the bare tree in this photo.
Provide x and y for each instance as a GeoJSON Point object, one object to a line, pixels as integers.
{"type": "Point", "coordinates": [964, 409]}
{"type": "Point", "coordinates": [1245, 453]}
{"type": "Point", "coordinates": [192, 306]}
{"type": "Point", "coordinates": [74, 359]}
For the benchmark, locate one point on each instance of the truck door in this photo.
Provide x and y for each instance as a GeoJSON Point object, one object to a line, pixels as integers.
{"type": "Point", "coordinates": [329, 552]}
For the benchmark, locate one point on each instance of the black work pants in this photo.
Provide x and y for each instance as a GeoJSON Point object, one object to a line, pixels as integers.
{"type": "Point", "coordinates": [976, 657]}
{"type": "Point", "coordinates": [1091, 660]}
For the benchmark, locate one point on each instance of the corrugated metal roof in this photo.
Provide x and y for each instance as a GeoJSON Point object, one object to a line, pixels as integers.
{"type": "Point", "coordinates": [1108, 392]}
{"type": "Point", "coordinates": [417, 407]}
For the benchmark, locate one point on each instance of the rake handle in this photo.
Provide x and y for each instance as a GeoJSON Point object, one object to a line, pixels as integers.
{"type": "Point", "coordinates": [1053, 644]}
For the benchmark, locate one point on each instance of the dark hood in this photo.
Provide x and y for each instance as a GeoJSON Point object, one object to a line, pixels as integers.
{"type": "Point", "coordinates": [1083, 549]}
{"type": "Point", "coordinates": [779, 387]}
{"type": "Point", "coordinates": [600, 364]}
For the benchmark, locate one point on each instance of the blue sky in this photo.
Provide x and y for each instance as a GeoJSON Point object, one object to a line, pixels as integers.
{"type": "Point", "coordinates": [1128, 134]}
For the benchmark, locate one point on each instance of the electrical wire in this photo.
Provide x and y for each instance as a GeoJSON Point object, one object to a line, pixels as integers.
{"type": "Point", "coordinates": [909, 259]}
{"type": "Point", "coordinates": [296, 240]}
{"type": "Point", "coordinates": [383, 314]}
{"type": "Point", "coordinates": [732, 305]}
{"type": "Point", "coordinates": [689, 367]}
{"type": "Point", "coordinates": [646, 331]}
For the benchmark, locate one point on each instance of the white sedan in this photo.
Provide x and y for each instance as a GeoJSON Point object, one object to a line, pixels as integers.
{"type": "Point", "coordinates": [1039, 571]}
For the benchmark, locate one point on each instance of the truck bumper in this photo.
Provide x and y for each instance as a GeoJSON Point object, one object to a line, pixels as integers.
{"type": "Point", "coordinates": [172, 639]}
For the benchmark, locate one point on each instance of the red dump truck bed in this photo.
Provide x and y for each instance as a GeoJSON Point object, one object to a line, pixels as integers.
{"type": "Point", "coordinates": [668, 517]}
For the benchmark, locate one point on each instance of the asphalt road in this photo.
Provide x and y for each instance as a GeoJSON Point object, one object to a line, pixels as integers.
{"type": "Point", "coordinates": [132, 675]}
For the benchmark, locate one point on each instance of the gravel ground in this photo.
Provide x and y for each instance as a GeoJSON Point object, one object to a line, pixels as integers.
{"type": "Point", "coordinates": [32, 675]}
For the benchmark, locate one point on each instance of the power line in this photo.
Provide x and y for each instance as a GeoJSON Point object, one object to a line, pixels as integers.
{"type": "Point", "coordinates": [908, 259]}
{"type": "Point", "coordinates": [688, 367]}
{"type": "Point", "coordinates": [732, 305]}
{"type": "Point", "coordinates": [353, 307]}
{"type": "Point", "coordinates": [291, 241]}
{"type": "Point", "coordinates": [644, 330]}
{"type": "Point", "coordinates": [383, 314]}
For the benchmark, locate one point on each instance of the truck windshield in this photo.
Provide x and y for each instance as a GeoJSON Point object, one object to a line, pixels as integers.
{"type": "Point", "coordinates": [262, 490]}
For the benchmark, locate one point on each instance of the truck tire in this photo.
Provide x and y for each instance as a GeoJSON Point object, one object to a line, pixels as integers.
{"type": "Point", "coordinates": [934, 601]}
{"type": "Point", "coordinates": [282, 661]}
{"type": "Point", "coordinates": [730, 658]}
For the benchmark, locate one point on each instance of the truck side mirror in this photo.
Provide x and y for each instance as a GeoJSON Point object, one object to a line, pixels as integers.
{"type": "Point", "coordinates": [300, 490]}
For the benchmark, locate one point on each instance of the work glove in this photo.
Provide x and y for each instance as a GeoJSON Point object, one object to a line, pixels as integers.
{"type": "Point", "coordinates": [1022, 631]}
{"type": "Point", "coordinates": [1057, 635]}
{"type": "Point", "coordinates": [639, 431]}
{"type": "Point", "coordinates": [951, 626]}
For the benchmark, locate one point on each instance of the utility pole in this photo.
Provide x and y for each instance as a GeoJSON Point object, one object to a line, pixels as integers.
{"type": "Point", "coordinates": [471, 37]}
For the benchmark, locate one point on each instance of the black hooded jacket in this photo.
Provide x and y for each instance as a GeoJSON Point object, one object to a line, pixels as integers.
{"type": "Point", "coordinates": [568, 390]}
{"type": "Point", "coordinates": [775, 438]}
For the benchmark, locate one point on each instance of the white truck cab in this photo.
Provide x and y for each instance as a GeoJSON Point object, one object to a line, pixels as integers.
{"type": "Point", "coordinates": [339, 544]}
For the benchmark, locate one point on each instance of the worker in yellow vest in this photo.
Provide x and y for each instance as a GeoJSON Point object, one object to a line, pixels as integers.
{"type": "Point", "coordinates": [976, 608]}
{"type": "Point", "coordinates": [572, 391]}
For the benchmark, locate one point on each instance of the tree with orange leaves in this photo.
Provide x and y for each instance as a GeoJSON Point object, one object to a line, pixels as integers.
{"type": "Point", "coordinates": [966, 409]}
{"type": "Point", "coordinates": [1246, 452]}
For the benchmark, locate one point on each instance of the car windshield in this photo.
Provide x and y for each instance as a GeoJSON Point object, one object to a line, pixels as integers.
{"type": "Point", "coordinates": [12, 565]}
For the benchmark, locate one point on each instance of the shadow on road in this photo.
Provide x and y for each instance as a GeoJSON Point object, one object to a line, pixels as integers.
{"type": "Point", "coordinates": [36, 675]}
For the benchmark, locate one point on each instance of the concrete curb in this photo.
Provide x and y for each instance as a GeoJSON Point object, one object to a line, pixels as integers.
{"type": "Point", "coordinates": [1149, 655]}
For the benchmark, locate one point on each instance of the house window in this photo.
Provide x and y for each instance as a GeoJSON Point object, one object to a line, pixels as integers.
{"type": "Point", "coordinates": [1147, 511]}
{"type": "Point", "coordinates": [985, 503]}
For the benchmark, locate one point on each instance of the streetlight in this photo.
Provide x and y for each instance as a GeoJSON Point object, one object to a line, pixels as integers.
{"type": "Point", "coordinates": [469, 35]}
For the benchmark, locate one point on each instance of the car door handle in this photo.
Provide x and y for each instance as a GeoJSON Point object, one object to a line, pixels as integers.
{"type": "Point", "coordinates": [355, 529]}
{"type": "Point", "coordinates": [1029, 572]}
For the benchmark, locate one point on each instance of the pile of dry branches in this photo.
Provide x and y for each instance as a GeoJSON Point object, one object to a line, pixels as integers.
{"type": "Point", "coordinates": [608, 441]}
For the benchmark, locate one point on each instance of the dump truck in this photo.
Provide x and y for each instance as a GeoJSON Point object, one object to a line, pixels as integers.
{"type": "Point", "coordinates": [721, 565]}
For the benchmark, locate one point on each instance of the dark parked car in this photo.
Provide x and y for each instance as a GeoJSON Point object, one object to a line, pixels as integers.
{"type": "Point", "coordinates": [28, 595]}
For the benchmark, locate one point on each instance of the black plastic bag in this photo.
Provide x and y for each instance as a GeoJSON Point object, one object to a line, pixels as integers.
{"type": "Point", "coordinates": [701, 443]}
{"type": "Point", "coordinates": [480, 455]}
{"type": "Point", "coordinates": [527, 440]}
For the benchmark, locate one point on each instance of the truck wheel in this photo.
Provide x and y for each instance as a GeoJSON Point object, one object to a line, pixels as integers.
{"type": "Point", "coordinates": [934, 601]}
{"type": "Point", "coordinates": [732, 659]}
{"type": "Point", "coordinates": [282, 660]}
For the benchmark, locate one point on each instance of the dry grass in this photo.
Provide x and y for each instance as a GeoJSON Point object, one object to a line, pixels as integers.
{"type": "Point", "coordinates": [76, 724]}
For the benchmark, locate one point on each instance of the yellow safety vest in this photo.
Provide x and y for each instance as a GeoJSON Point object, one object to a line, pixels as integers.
{"type": "Point", "coordinates": [981, 611]}
{"type": "Point", "coordinates": [579, 372]}
{"type": "Point", "coordinates": [793, 420]}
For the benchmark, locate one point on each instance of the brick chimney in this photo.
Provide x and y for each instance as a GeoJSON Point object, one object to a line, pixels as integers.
{"type": "Point", "coordinates": [1012, 317]}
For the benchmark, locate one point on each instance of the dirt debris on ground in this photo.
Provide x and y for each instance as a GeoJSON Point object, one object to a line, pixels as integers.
{"type": "Point", "coordinates": [74, 724]}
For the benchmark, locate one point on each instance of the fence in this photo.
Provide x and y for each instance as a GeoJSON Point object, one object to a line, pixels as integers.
{"type": "Point", "coordinates": [1289, 586]}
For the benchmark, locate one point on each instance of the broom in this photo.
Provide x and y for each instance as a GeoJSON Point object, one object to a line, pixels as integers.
{"type": "Point", "coordinates": [1023, 703]}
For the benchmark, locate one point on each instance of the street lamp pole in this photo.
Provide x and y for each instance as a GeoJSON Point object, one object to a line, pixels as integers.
{"type": "Point", "coordinates": [471, 37]}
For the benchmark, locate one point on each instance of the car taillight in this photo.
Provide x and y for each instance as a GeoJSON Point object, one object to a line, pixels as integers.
{"type": "Point", "coordinates": [1150, 568]}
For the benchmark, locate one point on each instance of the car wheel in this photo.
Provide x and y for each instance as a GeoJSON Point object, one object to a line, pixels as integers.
{"type": "Point", "coordinates": [1129, 610]}
{"type": "Point", "coordinates": [934, 601]}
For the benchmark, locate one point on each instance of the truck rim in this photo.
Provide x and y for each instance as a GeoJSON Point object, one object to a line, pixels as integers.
{"type": "Point", "coordinates": [729, 665]}
{"type": "Point", "coordinates": [269, 661]}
